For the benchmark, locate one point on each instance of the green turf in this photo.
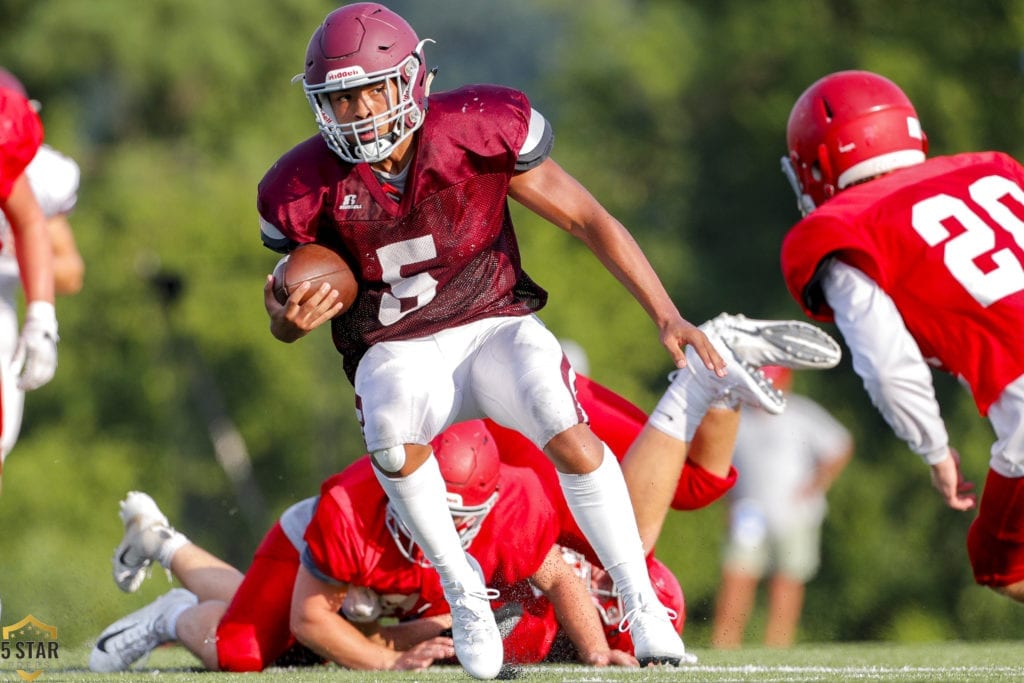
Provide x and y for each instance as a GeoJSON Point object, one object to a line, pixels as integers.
{"type": "Point", "coordinates": [950, 661]}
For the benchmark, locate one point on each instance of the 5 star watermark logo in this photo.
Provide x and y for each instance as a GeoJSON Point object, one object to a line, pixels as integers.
{"type": "Point", "coordinates": [28, 645]}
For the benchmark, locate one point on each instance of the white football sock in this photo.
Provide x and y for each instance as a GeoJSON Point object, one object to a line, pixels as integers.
{"type": "Point", "coordinates": [419, 499]}
{"type": "Point", "coordinates": [600, 504]}
{"type": "Point", "coordinates": [171, 545]}
{"type": "Point", "coordinates": [692, 391]}
{"type": "Point", "coordinates": [171, 619]}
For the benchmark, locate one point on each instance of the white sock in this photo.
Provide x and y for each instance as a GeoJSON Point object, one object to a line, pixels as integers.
{"type": "Point", "coordinates": [419, 499]}
{"type": "Point", "coordinates": [600, 504]}
{"type": "Point", "coordinates": [688, 397]}
{"type": "Point", "coordinates": [172, 615]}
{"type": "Point", "coordinates": [174, 542]}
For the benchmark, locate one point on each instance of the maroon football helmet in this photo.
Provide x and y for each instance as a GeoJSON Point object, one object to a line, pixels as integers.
{"type": "Point", "coordinates": [845, 128]}
{"type": "Point", "coordinates": [469, 462]}
{"type": "Point", "coordinates": [358, 45]}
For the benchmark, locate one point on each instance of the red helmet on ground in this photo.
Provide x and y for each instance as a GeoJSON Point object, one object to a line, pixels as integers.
{"type": "Point", "coordinates": [468, 458]}
{"type": "Point", "coordinates": [847, 127]}
{"type": "Point", "coordinates": [781, 378]}
{"type": "Point", "coordinates": [358, 45]}
{"type": "Point", "coordinates": [609, 603]}
{"type": "Point", "coordinates": [669, 593]}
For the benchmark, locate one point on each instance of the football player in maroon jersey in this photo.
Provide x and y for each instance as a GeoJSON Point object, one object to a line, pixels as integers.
{"type": "Point", "coordinates": [334, 565]}
{"type": "Point", "coordinates": [21, 133]}
{"type": "Point", "coordinates": [413, 188]}
{"type": "Point", "coordinates": [920, 263]}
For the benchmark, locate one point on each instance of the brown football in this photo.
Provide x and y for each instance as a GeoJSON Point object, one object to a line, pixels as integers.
{"type": "Point", "coordinates": [314, 263]}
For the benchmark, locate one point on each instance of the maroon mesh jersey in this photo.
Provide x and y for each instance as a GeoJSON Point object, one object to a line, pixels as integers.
{"type": "Point", "coordinates": [446, 253]}
{"type": "Point", "coordinates": [945, 240]}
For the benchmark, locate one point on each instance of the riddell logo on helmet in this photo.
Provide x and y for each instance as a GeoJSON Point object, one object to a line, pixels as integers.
{"type": "Point", "coordinates": [342, 74]}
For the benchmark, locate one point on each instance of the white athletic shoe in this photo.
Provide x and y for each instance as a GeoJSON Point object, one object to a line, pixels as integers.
{"type": "Point", "coordinates": [478, 645]}
{"type": "Point", "coordinates": [786, 343]}
{"type": "Point", "coordinates": [127, 640]}
{"type": "Point", "coordinates": [743, 382]}
{"type": "Point", "coordinates": [145, 531]}
{"type": "Point", "coordinates": [655, 640]}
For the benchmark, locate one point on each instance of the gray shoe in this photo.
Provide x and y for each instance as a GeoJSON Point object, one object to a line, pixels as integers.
{"type": "Point", "coordinates": [129, 639]}
{"type": "Point", "coordinates": [786, 343]}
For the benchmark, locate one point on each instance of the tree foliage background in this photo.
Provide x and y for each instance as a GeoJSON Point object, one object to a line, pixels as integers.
{"type": "Point", "coordinates": [673, 113]}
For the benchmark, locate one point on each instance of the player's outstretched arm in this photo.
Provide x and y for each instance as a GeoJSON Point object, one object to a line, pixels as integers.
{"type": "Point", "coordinates": [576, 612]}
{"type": "Point", "coordinates": [553, 194]}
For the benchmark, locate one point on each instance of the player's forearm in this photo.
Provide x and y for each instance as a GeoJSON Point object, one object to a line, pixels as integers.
{"type": "Point", "coordinates": [887, 359]}
{"type": "Point", "coordinates": [404, 635]}
{"type": "Point", "coordinates": [31, 242]}
{"type": "Point", "coordinates": [578, 618]}
{"type": "Point", "coordinates": [338, 641]}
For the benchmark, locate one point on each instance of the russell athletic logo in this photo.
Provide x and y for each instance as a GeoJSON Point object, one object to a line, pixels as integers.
{"type": "Point", "coordinates": [28, 645]}
{"type": "Point", "coordinates": [349, 203]}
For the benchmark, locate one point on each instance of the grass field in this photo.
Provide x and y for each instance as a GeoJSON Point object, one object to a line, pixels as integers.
{"type": "Point", "coordinates": [953, 661]}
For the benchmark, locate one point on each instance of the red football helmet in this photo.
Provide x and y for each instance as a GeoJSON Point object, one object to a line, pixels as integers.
{"type": "Point", "coordinates": [357, 45]}
{"type": "Point", "coordinates": [469, 462]}
{"type": "Point", "coordinates": [609, 603]}
{"type": "Point", "coordinates": [847, 127]}
{"type": "Point", "coordinates": [781, 378]}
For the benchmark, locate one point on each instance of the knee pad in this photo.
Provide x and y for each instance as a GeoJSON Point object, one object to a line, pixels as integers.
{"type": "Point", "coordinates": [390, 459]}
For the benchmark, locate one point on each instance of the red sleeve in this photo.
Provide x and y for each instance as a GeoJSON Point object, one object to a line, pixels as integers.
{"type": "Point", "coordinates": [21, 133]}
{"type": "Point", "coordinates": [699, 488]}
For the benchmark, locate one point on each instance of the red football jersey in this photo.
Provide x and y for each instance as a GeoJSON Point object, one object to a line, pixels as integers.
{"type": "Point", "coordinates": [446, 253]}
{"type": "Point", "coordinates": [616, 421]}
{"type": "Point", "coordinates": [348, 540]}
{"type": "Point", "coordinates": [21, 133]}
{"type": "Point", "coordinates": [945, 240]}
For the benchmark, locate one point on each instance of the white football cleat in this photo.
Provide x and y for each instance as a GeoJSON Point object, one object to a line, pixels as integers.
{"type": "Point", "coordinates": [146, 529]}
{"type": "Point", "coordinates": [787, 343]}
{"type": "Point", "coordinates": [655, 639]}
{"type": "Point", "coordinates": [743, 382]}
{"type": "Point", "coordinates": [128, 639]}
{"type": "Point", "coordinates": [478, 645]}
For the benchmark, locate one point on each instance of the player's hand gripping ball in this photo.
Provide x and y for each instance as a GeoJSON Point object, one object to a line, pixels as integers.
{"type": "Point", "coordinates": [315, 264]}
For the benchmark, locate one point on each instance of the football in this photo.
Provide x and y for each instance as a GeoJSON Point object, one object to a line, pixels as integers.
{"type": "Point", "coordinates": [314, 263]}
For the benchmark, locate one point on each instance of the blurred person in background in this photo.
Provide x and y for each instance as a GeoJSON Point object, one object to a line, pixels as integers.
{"type": "Point", "coordinates": [53, 178]}
{"type": "Point", "coordinates": [31, 360]}
{"type": "Point", "coordinates": [785, 463]}
{"type": "Point", "coordinates": [920, 264]}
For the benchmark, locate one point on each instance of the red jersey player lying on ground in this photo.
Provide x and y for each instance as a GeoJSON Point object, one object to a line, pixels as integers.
{"type": "Point", "coordinates": [334, 565]}
{"type": "Point", "coordinates": [695, 482]}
